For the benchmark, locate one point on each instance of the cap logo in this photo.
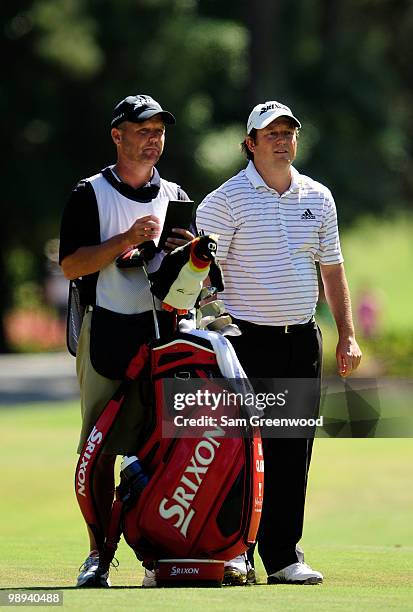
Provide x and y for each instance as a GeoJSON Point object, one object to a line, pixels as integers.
{"type": "Point", "coordinates": [117, 117]}
{"type": "Point", "coordinates": [272, 106]}
{"type": "Point", "coordinates": [142, 101]}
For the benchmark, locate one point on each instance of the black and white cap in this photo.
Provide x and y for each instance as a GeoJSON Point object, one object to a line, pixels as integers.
{"type": "Point", "coordinates": [139, 108]}
{"type": "Point", "coordinates": [262, 115]}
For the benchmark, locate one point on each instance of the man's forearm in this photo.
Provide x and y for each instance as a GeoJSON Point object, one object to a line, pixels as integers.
{"type": "Point", "coordinates": [90, 259]}
{"type": "Point", "coordinates": [338, 297]}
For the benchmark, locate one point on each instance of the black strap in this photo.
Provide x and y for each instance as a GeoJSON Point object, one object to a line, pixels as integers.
{"type": "Point", "coordinates": [146, 193]}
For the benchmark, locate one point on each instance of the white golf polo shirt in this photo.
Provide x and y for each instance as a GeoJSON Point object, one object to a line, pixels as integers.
{"type": "Point", "coordinates": [269, 243]}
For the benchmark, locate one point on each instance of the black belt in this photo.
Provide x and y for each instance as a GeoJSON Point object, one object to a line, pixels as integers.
{"type": "Point", "coordinates": [282, 329]}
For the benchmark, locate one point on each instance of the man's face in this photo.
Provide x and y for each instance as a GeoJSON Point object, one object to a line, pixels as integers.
{"type": "Point", "coordinates": [275, 144]}
{"type": "Point", "coordinates": [141, 143]}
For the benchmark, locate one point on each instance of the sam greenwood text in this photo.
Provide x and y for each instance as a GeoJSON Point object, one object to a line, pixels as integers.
{"type": "Point", "coordinates": [254, 421]}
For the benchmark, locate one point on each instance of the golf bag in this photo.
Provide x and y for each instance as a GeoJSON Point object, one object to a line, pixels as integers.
{"type": "Point", "coordinates": [195, 502]}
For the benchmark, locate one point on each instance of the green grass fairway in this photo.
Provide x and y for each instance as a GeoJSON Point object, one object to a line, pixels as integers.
{"type": "Point", "coordinates": [358, 526]}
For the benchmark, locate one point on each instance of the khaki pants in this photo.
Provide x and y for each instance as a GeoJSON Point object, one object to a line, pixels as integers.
{"type": "Point", "coordinates": [96, 391]}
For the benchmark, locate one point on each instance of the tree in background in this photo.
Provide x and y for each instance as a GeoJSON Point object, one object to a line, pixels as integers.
{"type": "Point", "coordinates": [338, 64]}
{"type": "Point", "coordinates": [70, 61]}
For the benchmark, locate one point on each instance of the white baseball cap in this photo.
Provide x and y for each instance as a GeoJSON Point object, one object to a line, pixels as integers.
{"type": "Point", "coordinates": [262, 115]}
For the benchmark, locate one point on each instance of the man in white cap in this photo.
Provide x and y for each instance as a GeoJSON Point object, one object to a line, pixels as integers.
{"type": "Point", "coordinates": [274, 225]}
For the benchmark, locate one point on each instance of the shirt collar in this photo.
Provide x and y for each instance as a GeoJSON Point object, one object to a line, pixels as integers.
{"type": "Point", "coordinates": [145, 193]}
{"type": "Point", "coordinates": [257, 181]}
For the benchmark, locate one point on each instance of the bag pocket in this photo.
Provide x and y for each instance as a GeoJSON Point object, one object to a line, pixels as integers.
{"type": "Point", "coordinates": [115, 338]}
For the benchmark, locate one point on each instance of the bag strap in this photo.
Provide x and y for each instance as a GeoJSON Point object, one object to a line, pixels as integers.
{"type": "Point", "coordinates": [74, 319]}
{"type": "Point", "coordinates": [112, 538]}
{"type": "Point", "coordinates": [92, 448]}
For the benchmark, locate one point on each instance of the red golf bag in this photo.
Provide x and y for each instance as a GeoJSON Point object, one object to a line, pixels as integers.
{"type": "Point", "coordinates": [202, 503]}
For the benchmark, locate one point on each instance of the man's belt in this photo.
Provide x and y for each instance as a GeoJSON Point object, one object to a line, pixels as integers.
{"type": "Point", "coordinates": [288, 329]}
{"type": "Point", "coordinates": [282, 329]}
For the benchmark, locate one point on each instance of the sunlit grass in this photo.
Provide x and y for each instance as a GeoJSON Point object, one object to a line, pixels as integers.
{"type": "Point", "coordinates": [358, 525]}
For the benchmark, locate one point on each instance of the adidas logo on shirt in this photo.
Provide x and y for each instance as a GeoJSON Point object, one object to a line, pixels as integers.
{"type": "Point", "coordinates": [307, 214]}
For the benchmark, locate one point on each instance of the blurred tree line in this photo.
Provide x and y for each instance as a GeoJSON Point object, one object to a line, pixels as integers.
{"type": "Point", "coordinates": [343, 65]}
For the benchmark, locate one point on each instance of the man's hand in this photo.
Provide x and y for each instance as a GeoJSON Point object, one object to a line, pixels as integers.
{"type": "Point", "coordinates": [348, 355]}
{"type": "Point", "coordinates": [90, 259]}
{"type": "Point", "coordinates": [172, 242]}
{"type": "Point", "coordinates": [143, 229]}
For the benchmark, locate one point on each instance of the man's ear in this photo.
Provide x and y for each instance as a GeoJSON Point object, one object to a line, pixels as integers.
{"type": "Point", "coordinates": [116, 135]}
{"type": "Point", "coordinates": [250, 142]}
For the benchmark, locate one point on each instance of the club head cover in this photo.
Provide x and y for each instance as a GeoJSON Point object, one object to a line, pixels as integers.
{"type": "Point", "coordinates": [135, 257]}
